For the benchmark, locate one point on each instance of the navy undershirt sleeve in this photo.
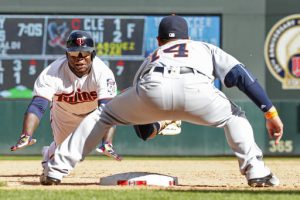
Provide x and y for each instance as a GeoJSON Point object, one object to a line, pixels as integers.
{"type": "Point", "coordinates": [38, 106]}
{"type": "Point", "coordinates": [239, 76]}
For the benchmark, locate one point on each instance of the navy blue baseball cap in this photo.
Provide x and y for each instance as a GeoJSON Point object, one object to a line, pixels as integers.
{"type": "Point", "coordinates": [79, 40]}
{"type": "Point", "coordinates": [173, 27]}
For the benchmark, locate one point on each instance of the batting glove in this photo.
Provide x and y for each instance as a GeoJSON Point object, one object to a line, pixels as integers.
{"type": "Point", "coordinates": [24, 140]}
{"type": "Point", "coordinates": [108, 150]}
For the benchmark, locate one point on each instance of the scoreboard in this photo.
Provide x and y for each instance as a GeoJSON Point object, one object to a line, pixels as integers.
{"type": "Point", "coordinates": [29, 43]}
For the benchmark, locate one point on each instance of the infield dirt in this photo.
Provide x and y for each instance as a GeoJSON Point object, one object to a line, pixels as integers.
{"type": "Point", "coordinates": [206, 174]}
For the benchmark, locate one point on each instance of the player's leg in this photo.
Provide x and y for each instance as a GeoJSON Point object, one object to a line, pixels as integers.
{"type": "Point", "coordinates": [93, 128]}
{"type": "Point", "coordinates": [75, 147]}
{"type": "Point", "coordinates": [147, 131]}
{"type": "Point", "coordinates": [47, 153]}
{"type": "Point", "coordinates": [63, 124]}
{"type": "Point", "coordinates": [240, 138]}
{"type": "Point", "coordinates": [61, 128]}
{"type": "Point", "coordinates": [146, 104]}
{"type": "Point", "coordinates": [216, 110]}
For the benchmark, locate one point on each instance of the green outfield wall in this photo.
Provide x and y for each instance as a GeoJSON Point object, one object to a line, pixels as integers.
{"type": "Point", "coordinates": [194, 140]}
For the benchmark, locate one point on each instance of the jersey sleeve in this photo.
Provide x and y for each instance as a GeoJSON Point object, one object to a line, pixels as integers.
{"type": "Point", "coordinates": [108, 86]}
{"type": "Point", "coordinates": [223, 62]}
{"type": "Point", "coordinates": [45, 86]}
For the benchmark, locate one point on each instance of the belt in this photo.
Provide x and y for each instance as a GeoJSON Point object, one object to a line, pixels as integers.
{"type": "Point", "coordinates": [183, 70]}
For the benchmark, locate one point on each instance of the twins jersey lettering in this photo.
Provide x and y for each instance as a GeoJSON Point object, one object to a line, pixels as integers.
{"type": "Point", "coordinates": [77, 97]}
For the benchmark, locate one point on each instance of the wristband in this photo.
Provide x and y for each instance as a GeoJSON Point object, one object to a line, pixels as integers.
{"type": "Point", "coordinates": [271, 113]}
{"type": "Point", "coordinates": [25, 135]}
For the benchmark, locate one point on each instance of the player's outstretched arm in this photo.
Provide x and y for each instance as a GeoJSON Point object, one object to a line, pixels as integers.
{"type": "Point", "coordinates": [274, 124]}
{"type": "Point", "coordinates": [239, 76]}
{"type": "Point", "coordinates": [31, 121]}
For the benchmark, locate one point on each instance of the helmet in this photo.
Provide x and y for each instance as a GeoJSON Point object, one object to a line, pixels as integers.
{"type": "Point", "coordinates": [79, 40]}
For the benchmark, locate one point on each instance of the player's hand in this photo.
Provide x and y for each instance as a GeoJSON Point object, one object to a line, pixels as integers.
{"type": "Point", "coordinates": [275, 128]}
{"type": "Point", "coordinates": [24, 140]}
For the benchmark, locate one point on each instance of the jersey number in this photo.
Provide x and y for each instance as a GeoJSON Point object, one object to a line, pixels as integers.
{"type": "Point", "coordinates": [178, 50]}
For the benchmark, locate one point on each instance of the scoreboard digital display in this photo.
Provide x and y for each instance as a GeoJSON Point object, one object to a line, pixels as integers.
{"type": "Point", "coordinates": [29, 43]}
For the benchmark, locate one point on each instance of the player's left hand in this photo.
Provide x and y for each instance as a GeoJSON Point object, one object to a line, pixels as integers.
{"type": "Point", "coordinates": [24, 140]}
{"type": "Point", "coordinates": [275, 128]}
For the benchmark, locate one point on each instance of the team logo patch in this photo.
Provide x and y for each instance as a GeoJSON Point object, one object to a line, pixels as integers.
{"type": "Point", "coordinates": [111, 86]}
{"type": "Point", "coordinates": [171, 35]}
{"type": "Point", "coordinates": [80, 41]}
{"type": "Point", "coordinates": [282, 51]}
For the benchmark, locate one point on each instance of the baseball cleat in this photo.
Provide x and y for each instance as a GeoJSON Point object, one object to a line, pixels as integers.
{"type": "Point", "coordinates": [46, 180]}
{"type": "Point", "coordinates": [267, 181]}
{"type": "Point", "coordinates": [169, 127]}
{"type": "Point", "coordinates": [108, 150]}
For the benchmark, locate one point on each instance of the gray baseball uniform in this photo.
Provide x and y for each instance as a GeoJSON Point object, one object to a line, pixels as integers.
{"type": "Point", "coordinates": [170, 87]}
{"type": "Point", "coordinates": [175, 82]}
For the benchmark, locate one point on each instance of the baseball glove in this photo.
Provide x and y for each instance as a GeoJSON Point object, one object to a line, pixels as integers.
{"type": "Point", "coordinates": [24, 140]}
{"type": "Point", "coordinates": [169, 127]}
{"type": "Point", "coordinates": [149, 131]}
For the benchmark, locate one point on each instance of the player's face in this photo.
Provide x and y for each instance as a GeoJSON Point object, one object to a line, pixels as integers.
{"type": "Point", "coordinates": [80, 62]}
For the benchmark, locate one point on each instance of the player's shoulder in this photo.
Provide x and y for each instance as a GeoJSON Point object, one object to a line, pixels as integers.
{"type": "Point", "coordinates": [100, 67]}
{"type": "Point", "coordinates": [55, 67]}
{"type": "Point", "coordinates": [203, 44]}
{"type": "Point", "coordinates": [205, 47]}
{"type": "Point", "coordinates": [53, 74]}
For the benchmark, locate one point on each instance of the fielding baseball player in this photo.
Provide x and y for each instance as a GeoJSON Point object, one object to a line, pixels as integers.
{"type": "Point", "coordinates": [75, 85]}
{"type": "Point", "coordinates": [176, 82]}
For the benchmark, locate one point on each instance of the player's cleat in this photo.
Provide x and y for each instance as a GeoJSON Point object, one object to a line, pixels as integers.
{"type": "Point", "coordinates": [46, 180]}
{"type": "Point", "coordinates": [108, 150]}
{"type": "Point", "coordinates": [267, 181]}
{"type": "Point", "coordinates": [169, 127]}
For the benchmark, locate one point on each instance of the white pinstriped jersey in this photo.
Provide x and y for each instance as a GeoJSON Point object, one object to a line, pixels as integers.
{"type": "Point", "coordinates": [71, 97]}
{"type": "Point", "coordinates": [205, 58]}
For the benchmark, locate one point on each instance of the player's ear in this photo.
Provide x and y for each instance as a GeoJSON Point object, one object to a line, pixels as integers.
{"type": "Point", "coordinates": [158, 41]}
{"type": "Point", "coordinates": [67, 55]}
{"type": "Point", "coordinates": [93, 54]}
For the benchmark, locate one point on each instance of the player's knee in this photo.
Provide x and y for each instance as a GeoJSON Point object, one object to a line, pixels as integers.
{"type": "Point", "coordinates": [237, 111]}
{"type": "Point", "coordinates": [146, 131]}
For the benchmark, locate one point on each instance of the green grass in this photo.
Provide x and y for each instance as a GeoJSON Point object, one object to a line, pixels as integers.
{"type": "Point", "coordinates": [2, 183]}
{"type": "Point", "coordinates": [145, 194]}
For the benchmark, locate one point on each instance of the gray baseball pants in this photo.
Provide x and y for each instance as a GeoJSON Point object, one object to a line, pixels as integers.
{"type": "Point", "coordinates": [158, 96]}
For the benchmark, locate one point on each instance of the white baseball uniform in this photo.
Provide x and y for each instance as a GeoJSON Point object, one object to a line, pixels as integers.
{"type": "Point", "coordinates": [73, 98]}
{"type": "Point", "coordinates": [175, 82]}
